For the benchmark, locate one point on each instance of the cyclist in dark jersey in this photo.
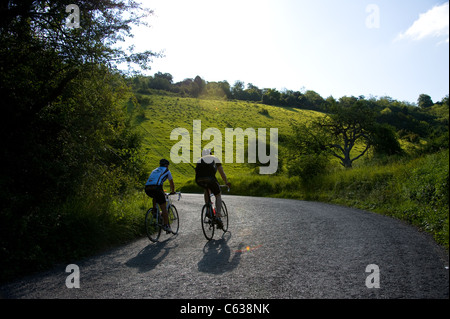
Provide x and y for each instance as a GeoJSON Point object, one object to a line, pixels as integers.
{"type": "Point", "coordinates": [205, 177]}
{"type": "Point", "coordinates": [154, 189]}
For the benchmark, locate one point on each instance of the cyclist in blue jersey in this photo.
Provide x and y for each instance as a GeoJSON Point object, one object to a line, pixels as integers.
{"type": "Point", "coordinates": [154, 189]}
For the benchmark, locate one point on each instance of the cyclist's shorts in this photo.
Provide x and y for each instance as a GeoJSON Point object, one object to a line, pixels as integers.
{"type": "Point", "coordinates": [156, 192]}
{"type": "Point", "coordinates": [209, 182]}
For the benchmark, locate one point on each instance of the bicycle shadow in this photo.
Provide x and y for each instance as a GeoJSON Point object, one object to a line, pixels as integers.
{"type": "Point", "coordinates": [216, 256]}
{"type": "Point", "coordinates": [150, 256]}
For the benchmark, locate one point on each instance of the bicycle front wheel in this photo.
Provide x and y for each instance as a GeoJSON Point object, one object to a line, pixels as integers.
{"type": "Point", "coordinates": [224, 214]}
{"type": "Point", "coordinates": [207, 222]}
{"type": "Point", "coordinates": [174, 220]}
{"type": "Point", "coordinates": [153, 225]}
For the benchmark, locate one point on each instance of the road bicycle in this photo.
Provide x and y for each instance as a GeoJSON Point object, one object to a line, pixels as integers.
{"type": "Point", "coordinates": [154, 219]}
{"type": "Point", "coordinates": [209, 217]}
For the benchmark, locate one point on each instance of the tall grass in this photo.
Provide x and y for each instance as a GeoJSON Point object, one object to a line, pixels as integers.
{"type": "Point", "coordinates": [416, 191]}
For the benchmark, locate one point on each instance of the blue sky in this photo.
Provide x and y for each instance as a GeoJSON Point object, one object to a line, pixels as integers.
{"type": "Point", "coordinates": [396, 48]}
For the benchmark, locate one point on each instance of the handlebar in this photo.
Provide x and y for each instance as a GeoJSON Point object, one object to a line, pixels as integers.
{"type": "Point", "coordinates": [176, 193]}
{"type": "Point", "coordinates": [225, 186]}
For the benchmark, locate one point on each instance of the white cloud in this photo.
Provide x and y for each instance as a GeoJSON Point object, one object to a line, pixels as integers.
{"type": "Point", "coordinates": [433, 23]}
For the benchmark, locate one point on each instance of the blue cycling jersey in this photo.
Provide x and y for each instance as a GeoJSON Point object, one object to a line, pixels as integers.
{"type": "Point", "coordinates": [159, 176]}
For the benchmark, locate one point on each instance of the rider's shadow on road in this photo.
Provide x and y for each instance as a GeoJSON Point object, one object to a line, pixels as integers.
{"type": "Point", "coordinates": [216, 257]}
{"type": "Point", "coordinates": [150, 256]}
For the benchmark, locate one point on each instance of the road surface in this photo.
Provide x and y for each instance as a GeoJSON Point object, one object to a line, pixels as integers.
{"type": "Point", "coordinates": [275, 248]}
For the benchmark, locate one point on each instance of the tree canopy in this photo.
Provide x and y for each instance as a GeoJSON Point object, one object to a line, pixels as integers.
{"type": "Point", "coordinates": [64, 128]}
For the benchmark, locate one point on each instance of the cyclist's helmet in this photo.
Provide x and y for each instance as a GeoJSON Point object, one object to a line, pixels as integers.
{"type": "Point", "coordinates": [163, 162]}
{"type": "Point", "coordinates": [206, 151]}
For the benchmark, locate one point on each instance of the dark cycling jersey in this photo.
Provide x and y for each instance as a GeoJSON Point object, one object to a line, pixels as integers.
{"type": "Point", "coordinates": [207, 166]}
{"type": "Point", "coordinates": [205, 173]}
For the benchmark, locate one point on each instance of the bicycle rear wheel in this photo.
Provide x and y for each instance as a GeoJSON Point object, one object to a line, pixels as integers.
{"type": "Point", "coordinates": [174, 220]}
{"type": "Point", "coordinates": [207, 222]}
{"type": "Point", "coordinates": [153, 225]}
{"type": "Point", "coordinates": [224, 214]}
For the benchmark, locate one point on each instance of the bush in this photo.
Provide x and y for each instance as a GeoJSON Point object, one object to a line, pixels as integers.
{"type": "Point", "coordinates": [308, 166]}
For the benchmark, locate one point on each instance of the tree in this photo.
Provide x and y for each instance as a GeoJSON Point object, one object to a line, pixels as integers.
{"type": "Point", "coordinates": [219, 90]}
{"type": "Point", "coordinates": [350, 122]}
{"type": "Point", "coordinates": [313, 100]}
{"type": "Point", "coordinates": [40, 57]}
{"type": "Point", "coordinates": [166, 76]}
{"type": "Point", "coordinates": [64, 128]}
{"type": "Point", "coordinates": [306, 154]}
{"type": "Point", "coordinates": [288, 98]}
{"type": "Point", "coordinates": [330, 102]}
{"type": "Point", "coordinates": [424, 101]}
{"type": "Point", "coordinates": [225, 87]}
{"type": "Point", "coordinates": [199, 85]}
{"type": "Point", "coordinates": [237, 90]}
{"type": "Point", "coordinates": [271, 97]}
{"type": "Point", "coordinates": [253, 92]}
{"type": "Point", "coordinates": [161, 81]}
{"type": "Point", "coordinates": [384, 140]}
{"type": "Point", "coordinates": [445, 100]}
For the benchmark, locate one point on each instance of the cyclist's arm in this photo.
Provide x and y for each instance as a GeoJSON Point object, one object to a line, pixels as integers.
{"type": "Point", "coordinates": [222, 173]}
{"type": "Point", "coordinates": [172, 186]}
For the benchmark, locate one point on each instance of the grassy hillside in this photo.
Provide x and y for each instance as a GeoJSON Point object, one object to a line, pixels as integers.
{"type": "Point", "coordinates": [160, 114]}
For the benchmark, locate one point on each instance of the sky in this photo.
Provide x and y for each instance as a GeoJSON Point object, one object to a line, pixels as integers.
{"type": "Point", "coordinates": [375, 48]}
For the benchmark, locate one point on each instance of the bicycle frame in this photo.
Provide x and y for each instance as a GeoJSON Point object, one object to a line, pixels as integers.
{"type": "Point", "coordinates": [168, 201]}
{"type": "Point", "coordinates": [212, 195]}
{"type": "Point", "coordinates": [209, 219]}
{"type": "Point", "coordinates": [153, 228]}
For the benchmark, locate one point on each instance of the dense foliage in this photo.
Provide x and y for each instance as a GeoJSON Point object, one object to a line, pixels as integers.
{"type": "Point", "coordinates": [66, 141]}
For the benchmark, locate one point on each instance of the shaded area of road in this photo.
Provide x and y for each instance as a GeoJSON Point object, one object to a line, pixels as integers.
{"type": "Point", "coordinates": [275, 248]}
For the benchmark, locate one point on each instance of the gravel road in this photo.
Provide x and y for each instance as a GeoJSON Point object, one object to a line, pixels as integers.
{"type": "Point", "coordinates": [275, 248]}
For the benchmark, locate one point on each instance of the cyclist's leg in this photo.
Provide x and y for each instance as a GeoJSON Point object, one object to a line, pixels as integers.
{"type": "Point", "coordinates": [204, 183]}
{"type": "Point", "coordinates": [151, 193]}
{"type": "Point", "coordinates": [206, 195]}
{"type": "Point", "coordinates": [160, 199]}
{"type": "Point", "coordinates": [219, 210]}
{"type": "Point", "coordinates": [165, 215]}
{"type": "Point", "coordinates": [215, 189]}
{"type": "Point", "coordinates": [219, 204]}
